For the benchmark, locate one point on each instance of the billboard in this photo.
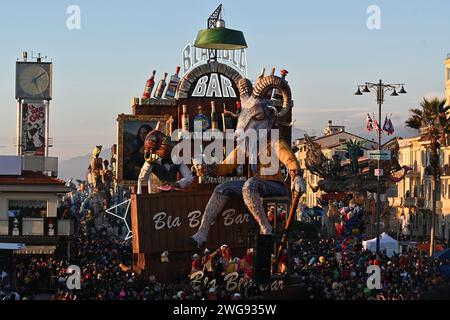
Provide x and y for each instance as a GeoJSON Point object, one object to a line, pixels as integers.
{"type": "Point", "coordinates": [132, 131]}
{"type": "Point", "coordinates": [33, 129]}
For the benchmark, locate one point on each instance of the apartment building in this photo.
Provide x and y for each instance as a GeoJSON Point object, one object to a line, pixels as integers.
{"type": "Point", "coordinates": [414, 193]}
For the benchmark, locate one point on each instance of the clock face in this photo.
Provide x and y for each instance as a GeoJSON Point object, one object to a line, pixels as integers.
{"type": "Point", "coordinates": [33, 81]}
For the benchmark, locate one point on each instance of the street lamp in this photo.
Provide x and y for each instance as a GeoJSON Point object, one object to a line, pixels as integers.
{"type": "Point", "coordinates": [380, 89]}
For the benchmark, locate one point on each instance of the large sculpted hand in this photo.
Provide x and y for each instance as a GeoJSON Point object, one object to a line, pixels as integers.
{"type": "Point", "coordinates": [202, 169]}
{"type": "Point", "coordinates": [298, 184]}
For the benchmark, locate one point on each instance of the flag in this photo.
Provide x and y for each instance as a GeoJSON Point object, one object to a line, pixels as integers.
{"type": "Point", "coordinates": [390, 126]}
{"type": "Point", "coordinates": [369, 123]}
{"type": "Point", "coordinates": [385, 125]}
{"type": "Point", "coordinates": [376, 126]}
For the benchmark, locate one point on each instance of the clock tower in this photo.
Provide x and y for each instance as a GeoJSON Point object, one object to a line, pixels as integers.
{"type": "Point", "coordinates": [33, 95]}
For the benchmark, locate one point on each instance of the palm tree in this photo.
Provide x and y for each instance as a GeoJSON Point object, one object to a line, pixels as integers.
{"type": "Point", "coordinates": [432, 119]}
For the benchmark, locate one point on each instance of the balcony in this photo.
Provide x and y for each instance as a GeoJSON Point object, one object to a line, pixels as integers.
{"type": "Point", "coordinates": [414, 173]}
{"type": "Point", "coordinates": [413, 202]}
{"type": "Point", "coordinates": [40, 164]}
{"type": "Point", "coordinates": [36, 227]}
{"type": "Point", "coordinates": [410, 202]}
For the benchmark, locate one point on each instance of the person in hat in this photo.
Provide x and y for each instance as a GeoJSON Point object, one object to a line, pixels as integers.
{"type": "Point", "coordinates": [159, 169]}
{"type": "Point", "coordinates": [233, 266]}
{"type": "Point", "coordinates": [207, 261]}
{"type": "Point", "coordinates": [236, 296]}
{"type": "Point", "coordinates": [223, 259]}
{"type": "Point", "coordinates": [165, 257]}
{"type": "Point", "coordinates": [196, 264]}
{"type": "Point", "coordinates": [212, 294]}
{"type": "Point", "coordinates": [246, 264]}
{"type": "Point", "coordinates": [225, 254]}
{"type": "Point", "coordinates": [181, 295]}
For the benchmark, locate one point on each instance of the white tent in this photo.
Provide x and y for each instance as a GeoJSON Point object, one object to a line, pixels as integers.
{"type": "Point", "coordinates": [386, 243]}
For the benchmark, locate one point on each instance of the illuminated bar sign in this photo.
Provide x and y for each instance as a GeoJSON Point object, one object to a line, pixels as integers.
{"type": "Point", "coordinates": [214, 85]}
{"type": "Point", "coordinates": [193, 56]}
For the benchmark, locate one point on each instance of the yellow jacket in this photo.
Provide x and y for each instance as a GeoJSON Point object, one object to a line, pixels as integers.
{"type": "Point", "coordinates": [282, 151]}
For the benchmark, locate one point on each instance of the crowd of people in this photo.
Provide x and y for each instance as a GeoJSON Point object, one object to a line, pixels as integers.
{"type": "Point", "coordinates": [330, 272]}
{"type": "Point", "coordinates": [324, 268]}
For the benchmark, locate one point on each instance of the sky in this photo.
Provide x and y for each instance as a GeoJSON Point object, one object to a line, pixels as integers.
{"type": "Point", "coordinates": [325, 45]}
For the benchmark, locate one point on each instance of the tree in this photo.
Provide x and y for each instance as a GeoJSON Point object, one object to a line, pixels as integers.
{"type": "Point", "coordinates": [432, 119]}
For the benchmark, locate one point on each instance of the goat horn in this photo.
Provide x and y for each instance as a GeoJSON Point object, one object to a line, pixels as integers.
{"type": "Point", "coordinates": [245, 87]}
{"type": "Point", "coordinates": [271, 82]}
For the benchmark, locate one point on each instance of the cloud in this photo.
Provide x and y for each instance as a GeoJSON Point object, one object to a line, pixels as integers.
{"type": "Point", "coordinates": [326, 110]}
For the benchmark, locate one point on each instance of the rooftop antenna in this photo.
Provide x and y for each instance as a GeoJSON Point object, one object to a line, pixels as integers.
{"type": "Point", "coordinates": [38, 57]}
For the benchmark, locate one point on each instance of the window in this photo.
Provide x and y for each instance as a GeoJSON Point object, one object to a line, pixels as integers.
{"type": "Point", "coordinates": [448, 74]}
{"type": "Point", "coordinates": [416, 160]}
{"type": "Point", "coordinates": [28, 208]}
{"type": "Point", "coordinates": [438, 192]}
{"type": "Point", "coordinates": [443, 191]}
{"type": "Point", "coordinates": [430, 191]}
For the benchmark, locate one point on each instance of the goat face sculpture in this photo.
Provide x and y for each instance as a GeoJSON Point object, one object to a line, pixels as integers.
{"type": "Point", "coordinates": [256, 111]}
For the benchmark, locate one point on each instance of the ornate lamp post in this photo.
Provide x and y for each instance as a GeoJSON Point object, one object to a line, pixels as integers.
{"type": "Point", "coordinates": [380, 89]}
